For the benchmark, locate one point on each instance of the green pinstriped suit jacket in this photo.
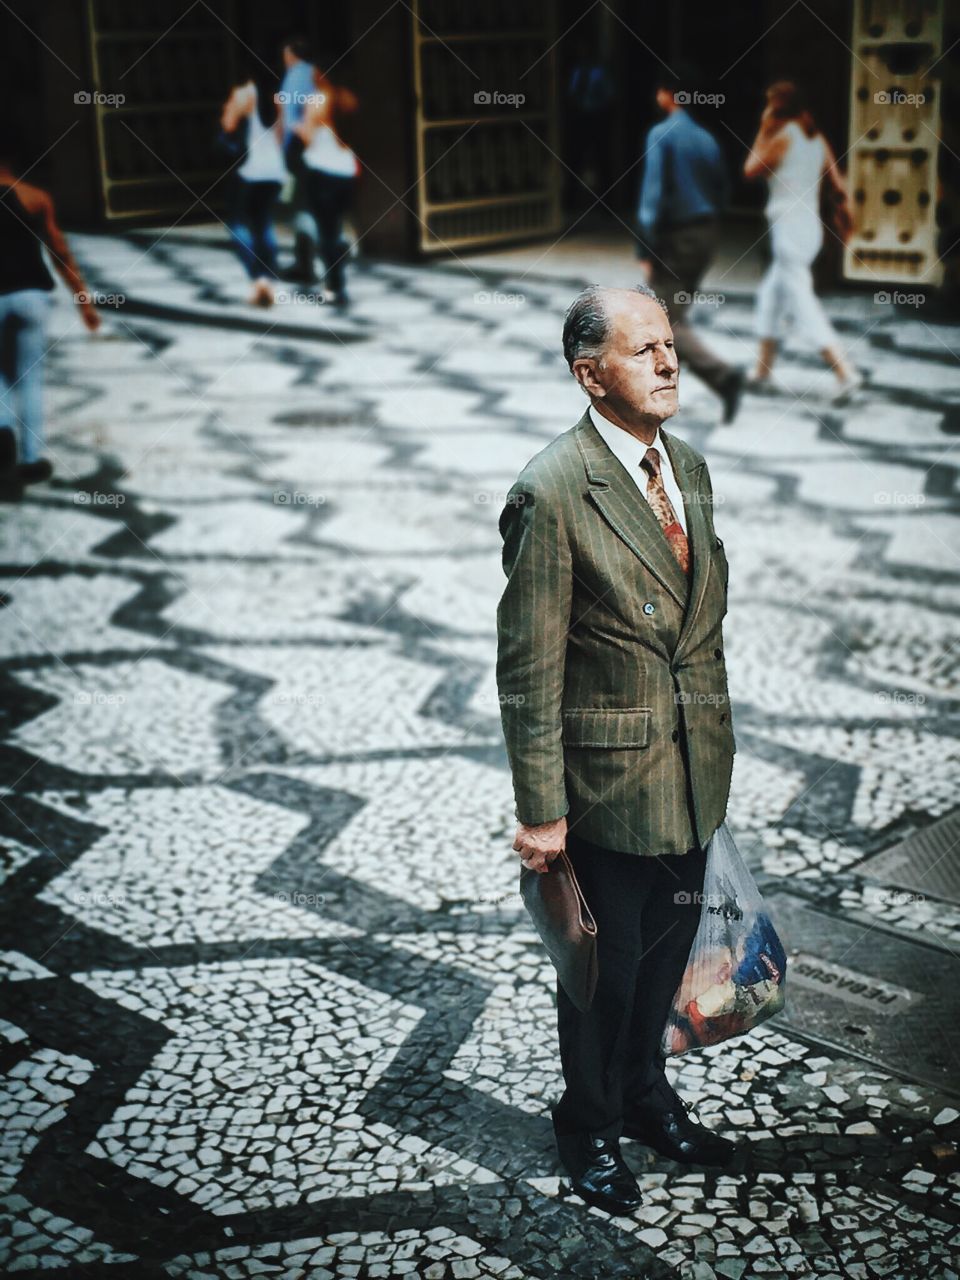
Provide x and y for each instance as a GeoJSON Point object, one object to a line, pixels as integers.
{"type": "Point", "coordinates": [610, 669]}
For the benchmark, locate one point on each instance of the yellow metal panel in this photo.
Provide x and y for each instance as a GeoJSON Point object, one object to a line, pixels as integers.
{"type": "Point", "coordinates": [894, 141]}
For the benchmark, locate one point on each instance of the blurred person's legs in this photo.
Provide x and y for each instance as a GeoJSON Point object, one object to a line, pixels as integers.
{"type": "Point", "coordinates": [11, 487]}
{"type": "Point", "coordinates": [330, 195]}
{"type": "Point", "coordinates": [251, 225]}
{"type": "Point", "coordinates": [23, 348]}
{"type": "Point", "coordinates": [238, 222]}
{"type": "Point", "coordinates": [771, 318]}
{"type": "Point", "coordinates": [305, 236]}
{"type": "Point", "coordinates": [786, 297]}
{"type": "Point", "coordinates": [683, 255]}
{"type": "Point", "coordinates": [263, 203]}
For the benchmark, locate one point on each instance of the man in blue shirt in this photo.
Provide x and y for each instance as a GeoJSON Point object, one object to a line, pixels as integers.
{"type": "Point", "coordinates": [684, 190]}
{"type": "Point", "coordinates": [295, 88]}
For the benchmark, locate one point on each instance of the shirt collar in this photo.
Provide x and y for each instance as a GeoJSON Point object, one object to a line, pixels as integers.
{"type": "Point", "coordinates": [625, 446]}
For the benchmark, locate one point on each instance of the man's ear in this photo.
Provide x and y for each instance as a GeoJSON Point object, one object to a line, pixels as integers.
{"type": "Point", "coordinates": [585, 372]}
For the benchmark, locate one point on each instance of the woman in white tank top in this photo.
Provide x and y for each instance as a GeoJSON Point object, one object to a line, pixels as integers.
{"type": "Point", "coordinates": [794, 156]}
{"type": "Point", "coordinates": [256, 184]}
{"type": "Point", "coordinates": [330, 173]}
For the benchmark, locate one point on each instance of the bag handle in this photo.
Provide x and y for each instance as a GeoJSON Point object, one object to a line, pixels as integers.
{"type": "Point", "coordinates": [587, 922]}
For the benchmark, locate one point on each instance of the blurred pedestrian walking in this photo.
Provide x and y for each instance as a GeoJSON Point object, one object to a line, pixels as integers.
{"type": "Point", "coordinates": [330, 173]}
{"type": "Point", "coordinates": [28, 222]}
{"type": "Point", "coordinates": [591, 103]}
{"type": "Point", "coordinates": [685, 189]}
{"type": "Point", "coordinates": [296, 90]}
{"type": "Point", "coordinates": [794, 156]}
{"type": "Point", "coordinates": [251, 122]}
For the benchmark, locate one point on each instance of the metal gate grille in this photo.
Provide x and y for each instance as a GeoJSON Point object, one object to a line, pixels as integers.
{"type": "Point", "coordinates": [486, 128]}
{"type": "Point", "coordinates": [163, 58]}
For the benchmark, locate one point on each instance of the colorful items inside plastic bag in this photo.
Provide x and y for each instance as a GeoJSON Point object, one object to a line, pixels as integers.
{"type": "Point", "coordinates": [735, 975]}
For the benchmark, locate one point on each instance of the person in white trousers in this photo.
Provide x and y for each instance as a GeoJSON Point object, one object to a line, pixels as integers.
{"type": "Point", "coordinates": [795, 157]}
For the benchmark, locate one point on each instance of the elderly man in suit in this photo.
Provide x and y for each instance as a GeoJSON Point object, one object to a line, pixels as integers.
{"type": "Point", "coordinates": [613, 697]}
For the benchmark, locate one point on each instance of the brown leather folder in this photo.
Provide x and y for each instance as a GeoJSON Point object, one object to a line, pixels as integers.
{"type": "Point", "coordinates": [567, 929]}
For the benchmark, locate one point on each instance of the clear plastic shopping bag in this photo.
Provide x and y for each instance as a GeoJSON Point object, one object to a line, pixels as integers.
{"type": "Point", "coordinates": [737, 967]}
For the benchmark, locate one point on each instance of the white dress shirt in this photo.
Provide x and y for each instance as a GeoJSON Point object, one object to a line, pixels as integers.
{"type": "Point", "coordinates": [631, 451]}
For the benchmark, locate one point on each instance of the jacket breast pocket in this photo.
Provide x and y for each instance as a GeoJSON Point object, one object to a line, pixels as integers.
{"type": "Point", "coordinates": [606, 726]}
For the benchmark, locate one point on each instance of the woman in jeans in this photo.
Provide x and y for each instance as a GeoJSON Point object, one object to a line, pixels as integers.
{"type": "Point", "coordinates": [256, 184]}
{"type": "Point", "coordinates": [28, 222]}
{"type": "Point", "coordinates": [330, 173]}
{"type": "Point", "coordinates": [794, 156]}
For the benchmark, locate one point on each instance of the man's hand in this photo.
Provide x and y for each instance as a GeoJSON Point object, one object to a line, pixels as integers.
{"type": "Point", "coordinates": [539, 845]}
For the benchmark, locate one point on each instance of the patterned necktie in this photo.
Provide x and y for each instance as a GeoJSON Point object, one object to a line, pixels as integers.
{"type": "Point", "coordinates": [664, 511]}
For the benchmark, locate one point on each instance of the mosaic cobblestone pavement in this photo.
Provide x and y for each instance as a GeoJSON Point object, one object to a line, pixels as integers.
{"type": "Point", "coordinates": [272, 1005]}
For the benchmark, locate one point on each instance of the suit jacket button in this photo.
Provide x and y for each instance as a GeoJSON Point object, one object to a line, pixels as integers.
{"type": "Point", "coordinates": [718, 653]}
{"type": "Point", "coordinates": [675, 736]}
{"type": "Point", "coordinates": [649, 608]}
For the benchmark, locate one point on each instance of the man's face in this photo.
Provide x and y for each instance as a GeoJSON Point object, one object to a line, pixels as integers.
{"type": "Point", "coordinates": [290, 59]}
{"type": "Point", "coordinates": [639, 372]}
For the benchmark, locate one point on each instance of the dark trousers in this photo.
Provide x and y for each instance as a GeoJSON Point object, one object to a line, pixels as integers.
{"type": "Point", "coordinates": [251, 225]}
{"type": "Point", "coordinates": [685, 253]}
{"type": "Point", "coordinates": [328, 196]}
{"type": "Point", "coordinates": [647, 912]}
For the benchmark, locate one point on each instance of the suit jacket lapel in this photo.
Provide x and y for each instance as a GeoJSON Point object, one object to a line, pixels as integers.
{"type": "Point", "coordinates": [615, 496]}
{"type": "Point", "coordinates": [686, 467]}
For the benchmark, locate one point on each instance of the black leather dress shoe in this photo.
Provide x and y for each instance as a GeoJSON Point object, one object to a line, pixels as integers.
{"type": "Point", "coordinates": [677, 1136]}
{"type": "Point", "coordinates": [599, 1174]}
{"type": "Point", "coordinates": [34, 472]}
{"type": "Point", "coordinates": [732, 394]}
{"type": "Point", "coordinates": [11, 486]}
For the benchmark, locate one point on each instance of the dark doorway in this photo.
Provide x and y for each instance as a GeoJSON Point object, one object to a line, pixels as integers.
{"type": "Point", "coordinates": [602, 147]}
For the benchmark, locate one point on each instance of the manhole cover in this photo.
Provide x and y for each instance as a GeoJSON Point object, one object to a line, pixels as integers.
{"type": "Point", "coordinates": [928, 862]}
{"type": "Point", "coordinates": [867, 991]}
{"type": "Point", "coordinates": [323, 418]}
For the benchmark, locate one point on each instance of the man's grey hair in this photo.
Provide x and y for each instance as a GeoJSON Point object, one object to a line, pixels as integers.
{"type": "Point", "coordinates": [586, 324]}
